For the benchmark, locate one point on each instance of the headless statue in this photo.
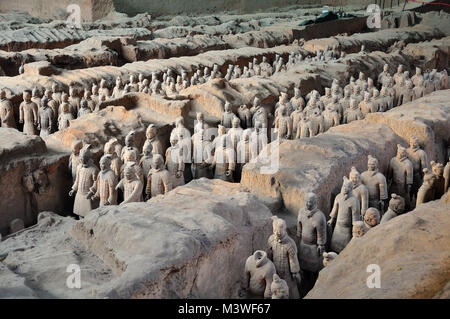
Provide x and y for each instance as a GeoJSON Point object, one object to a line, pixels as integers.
{"type": "Point", "coordinates": [259, 271]}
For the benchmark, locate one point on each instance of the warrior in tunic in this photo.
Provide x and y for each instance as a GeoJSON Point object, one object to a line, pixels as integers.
{"type": "Point", "coordinates": [28, 112]}
{"type": "Point", "coordinates": [131, 185]}
{"type": "Point", "coordinates": [396, 207]}
{"type": "Point", "coordinates": [376, 184]}
{"type": "Point", "coordinates": [74, 159]}
{"type": "Point", "coordinates": [175, 163]}
{"type": "Point", "coordinates": [110, 149]}
{"type": "Point", "coordinates": [259, 271]}
{"type": "Point", "coordinates": [158, 180]}
{"type": "Point", "coordinates": [224, 161]}
{"type": "Point", "coordinates": [129, 146]}
{"type": "Point", "coordinates": [227, 116]}
{"type": "Point", "coordinates": [400, 174]}
{"type": "Point", "coordinates": [344, 214]}
{"type": "Point", "coordinates": [419, 160]}
{"type": "Point", "coordinates": [105, 186]}
{"type": "Point", "coordinates": [283, 123]}
{"type": "Point", "coordinates": [45, 118]}
{"type": "Point", "coordinates": [84, 180]}
{"type": "Point", "coordinates": [439, 180]}
{"type": "Point", "coordinates": [360, 190]}
{"type": "Point", "coordinates": [282, 250]}
{"type": "Point", "coordinates": [6, 111]}
{"type": "Point", "coordinates": [151, 137]}
{"type": "Point", "coordinates": [312, 235]}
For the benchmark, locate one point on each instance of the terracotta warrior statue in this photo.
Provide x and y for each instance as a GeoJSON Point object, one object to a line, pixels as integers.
{"type": "Point", "coordinates": [396, 207]}
{"type": "Point", "coordinates": [417, 77]}
{"type": "Point", "coordinates": [383, 75]}
{"type": "Point", "coordinates": [56, 93]}
{"type": "Point", "coordinates": [110, 149]}
{"type": "Point", "coordinates": [297, 101]}
{"type": "Point", "coordinates": [371, 218]}
{"type": "Point", "coordinates": [419, 160]}
{"type": "Point", "coordinates": [28, 111]}
{"type": "Point", "coordinates": [358, 229]}
{"type": "Point", "coordinates": [426, 191]}
{"type": "Point", "coordinates": [353, 113]}
{"type": "Point", "coordinates": [366, 106]}
{"type": "Point", "coordinates": [227, 116]}
{"type": "Point", "coordinates": [376, 184]}
{"type": "Point", "coordinates": [331, 115]}
{"type": "Point", "coordinates": [235, 132]}
{"type": "Point", "coordinates": [439, 180]}
{"type": "Point", "coordinates": [74, 100]}
{"type": "Point", "coordinates": [419, 89]}
{"type": "Point", "coordinates": [279, 288]}
{"type": "Point", "coordinates": [174, 162]}
{"type": "Point", "coordinates": [45, 118]}
{"type": "Point", "coordinates": [282, 250]}
{"type": "Point", "coordinates": [259, 113]}
{"type": "Point", "coordinates": [6, 111]}
{"type": "Point", "coordinates": [117, 90]}
{"type": "Point", "coordinates": [74, 159]}
{"type": "Point", "coordinates": [84, 180]}
{"type": "Point", "coordinates": [344, 214]}
{"type": "Point", "coordinates": [131, 185]}
{"type": "Point", "coordinates": [152, 138]}
{"type": "Point", "coordinates": [36, 97]}
{"type": "Point", "coordinates": [259, 271]}
{"type": "Point", "coordinates": [312, 236]}
{"type": "Point", "coordinates": [284, 101]}
{"type": "Point", "coordinates": [87, 97]}
{"type": "Point", "coordinates": [201, 151]}
{"type": "Point", "coordinates": [129, 146]}
{"type": "Point", "coordinates": [283, 123]}
{"type": "Point", "coordinates": [245, 115]}
{"type": "Point", "coordinates": [84, 108]}
{"type": "Point", "coordinates": [200, 124]}
{"type": "Point", "coordinates": [158, 180]}
{"type": "Point", "coordinates": [224, 161]}
{"type": "Point", "coordinates": [360, 191]}
{"type": "Point", "coordinates": [105, 186]}
{"type": "Point", "coordinates": [400, 174]}
{"type": "Point", "coordinates": [146, 160]}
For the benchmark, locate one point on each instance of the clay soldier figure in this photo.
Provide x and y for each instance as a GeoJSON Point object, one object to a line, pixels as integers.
{"type": "Point", "coordinates": [256, 67]}
{"type": "Point", "coordinates": [74, 159]}
{"type": "Point", "coordinates": [383, 75]}
{"type": "Point", "coordinates": [419, 89]}
{"type": "Point", "coordinates": [439, 180]}
{"type": "Point", "coordinates": [282, 250]}
{"type": "Point", "coordinates": [312, 237]}
{"type": "Point", "coordinates": [45, 120]}
{"type": "Point", "coordinates": [327, 98]}
{"type": "Point", "coordinates": [428, 83]}
{"type": "Point", "coordinates": [105, 186]}
{"type": "Point", "coordinates": [129, 145]}
{"type": "Point", "coordinates": [283, 100]}
{"type": "Point", "coordinates": [6, 111]}
{"type": "Point", "coordinates": [151, 135]}
{"type": "Point", "coordinates": [358, 229]}
{"type": "Point", "coordinates": [353, 113]}
{"type": "Point", "coordinates": [396, 207]}
{"type": "Point", "coordinates": [331, 116]}
{"type": "Point", "coordinates": [419, 160]}
{"type": "Point", "coordinates": [360, 190]}
{"type": "Point", "coordinates": [400, 174]}
{"type": "Point", "coordinates": [28, 111]}
{"type": "Point", "coordinates": [296, 117]}
{"type": "Point", "coordinates": [131, 185]}
{"type": "Point", "coordinates": [74, 101]}
{"type": "Point", "coordinates": [345, 101]}
{"type": "Point", "coordinates": [200, 124]}
{"type": "Point", "coordinates": [399, 91]}
{"type": "Point", "coordinates": [426, 191]}
{"type": "Point", "coordinates": [361, 80]}
{"type": "Point", "coordinates": [375, 183]}
{"type": "Point", "coordinates": [245, 116]}
{"type": "Point", "coordinates": [417, 77]}
{"type": "Point", "coordinates": [84, 180]}
{"type": "Point", "coordinates": [258, 140]}
{"type": "Point", "coordinates": [56, 93]}
{"type": "Point", "coordinates": [266, 68]}
{"type": "Point", "coordinates": [283, 124]}
{"type": "Point", "coordinates": [259, 271]}
{"type": "Point", "coordinates": [399, 75]}
{"type": "Point", "coordinates": [95, 96]}
{"type": "Point", "coordinates": [175, 163]}
{"type": "Point", "coordinates": [227, 116]}
{"type": "Point", "coordinates": [447, 176]}
{"type": "Point", "coordinates": [259, 113]}
{"type": "Point", "coordinates": [117, 91]}
{"type": "Point", "coordinates": [345, 213]}
{"type": "Point", "coordinates": [141, 84]}
{"type": "Point", "coordinates": [316, 123]}
{"type": "Point", "coordinates": [52, 104]}
{"type": "Point", "coordinates": [357, 94]}
{"type": "Point", "coordinates": [146, 160]}
{"type": "Point", "coordinates": [407, 95]}
{"type": "Point", "coordinates": [351, 85]}
{"type": "Point", "coordinates": [201, 155]}
{"type": "Point", "coordinates": [303, 128]}
{"type": "Point", "coordinates": [158, 180]}
{"type": "Point", "coordinates": [388, 101]}
{"type": "Point", "coordinates": [243, 151]}
{"type": "Point", "coordinates": [371, 218]}
{"type": "Point", "coordinates": [235, 133]}
{"type": "Point", "coordinates": [279, 288]}
{"type": "Point", "coordinates": [65, 101]}
{"type": "Point", "coordinates": [84, 108]}
{"type": "Point", "coordinates": [366, 106]}
{"type": "Point", "coordinates": [134, 86]}
{"type": "Point", "coordinates": [65, 117]}
{"type": "Point", "coordinates": [297, 101]}
{"type": "Point", "coordinates": [328, 258]}
{"type": "Point", "coordinates": [381, 104]}
{"type": "Point", "coordinates": [224, 161]}
{"type": "Point", "coordinates": [36, 97]}
{"type": "Point", "coordinates": [90, 102]}
{"type": "Point", "coordinates": [110, 149]}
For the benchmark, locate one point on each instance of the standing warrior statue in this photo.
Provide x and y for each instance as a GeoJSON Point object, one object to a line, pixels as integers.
{"type": "Point", "coordinates": [6, 111]}
{"type": "Point", "coordinates": [259, 271]}
{"type": "Point", "coordinates": [282, 251]}
{"type": "Point", "coordinates": [131, 185]}
{"type": "Point", "coordinates": [345, 213]}
{"type": "Point", "coordinates": [105, 186]}
{"type": "Point", "coordinates": [376, 184]}
{"type": "Point", "coordinates": [28, 114]}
